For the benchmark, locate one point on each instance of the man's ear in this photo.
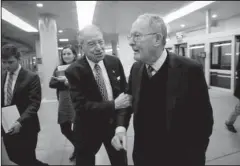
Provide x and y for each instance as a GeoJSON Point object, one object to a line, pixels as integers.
{"type": "Point", "coordinates": [158, 40]}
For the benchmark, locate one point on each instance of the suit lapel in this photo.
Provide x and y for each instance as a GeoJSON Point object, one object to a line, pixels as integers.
{"type": "Point", "coordinates": [110, 72]}
{"type": "Point", "coordinates": [174, 77]}
{"type": "Point", "coordinates": [20, 78]}
{"type": "Point", "coordinates": [138, 86]}
{"type": "Point", "coordinates": [4, 76]}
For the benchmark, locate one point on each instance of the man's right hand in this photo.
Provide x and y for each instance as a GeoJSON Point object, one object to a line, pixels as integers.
{"type": "Point", "coordinates": [119, 141]}
{"type": "Point", "coordinates": [123, 101]}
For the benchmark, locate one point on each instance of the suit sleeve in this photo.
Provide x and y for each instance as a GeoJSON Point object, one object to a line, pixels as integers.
{"type": "Point", "coordinates": [81, 102]}
{"type": "Point", "coordinates": [203, 114]}
{"type": "Point", "coordinates": [35, 96]}
{"type": "Point", "coordinates": [123, 115]}
{"type": "Point", "coordinates": [55, 84]}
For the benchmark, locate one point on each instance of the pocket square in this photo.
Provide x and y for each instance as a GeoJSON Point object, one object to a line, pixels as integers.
{"type": "Point", "coordinates": [118, 78]}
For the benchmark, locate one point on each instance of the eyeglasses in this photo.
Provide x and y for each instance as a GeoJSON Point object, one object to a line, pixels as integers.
{"type": "Point", "coordinates": [137, 37]}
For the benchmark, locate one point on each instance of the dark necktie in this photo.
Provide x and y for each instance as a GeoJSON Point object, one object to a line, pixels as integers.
{"type": "Point", "coordinates": [9, 89]}
{"type": "Point", "coordinates": [100, 81]}
{"type": "Point", "coordinates": [150, 69]}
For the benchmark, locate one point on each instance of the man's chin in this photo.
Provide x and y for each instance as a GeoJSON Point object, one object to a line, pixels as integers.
{"type": "Point", "coordinates": [137, 57]}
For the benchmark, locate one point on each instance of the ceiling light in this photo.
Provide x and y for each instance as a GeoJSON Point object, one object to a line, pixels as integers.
{"type": "Point", "coordinates": [60, 48]}
{"type": "Point", "coordinates": [39, 5]}
{"type": "Point", "coordinates": [63, 40]}
{"type": "Point", "coordinates": [186, 10]}
{"type": "Point", "coordinates": [224, 44]}
{"type": "Point", "coordinates": [195, 47]}
{"type": "Point", "coordinates": [85, 11]}
{"type": "Point", "coordinates": [214, 16]}
{"type": "Point", "coordinates": [60, 31]}
{"type": "Point", "coordinates": [182, 25]}
{"type": "Point", "coordinates": [16, 21]}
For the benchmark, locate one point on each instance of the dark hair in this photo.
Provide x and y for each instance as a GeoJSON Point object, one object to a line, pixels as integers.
{"type": "Point", "coordinates": [73, 51]}
{"type": "Point", "coordinates": [9, 50]}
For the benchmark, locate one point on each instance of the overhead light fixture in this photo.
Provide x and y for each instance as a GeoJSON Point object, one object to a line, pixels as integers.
{"type": "Point", "coordinates": [228, 54]}
{"type": "Point", "coordinates": [85, 11]}
{"type": "Point", "coordinates": [39, 5]}
{"type": "Point", "coordinates": [224, 44]}
{"type": "Point", "coordinates": [60, 31]}
{"type": "Point", "coordinates": [60, 48]}
{"type": "Point", "coordinates": [182, 25]}
{"type": "Point", "coordinates": [214, 16]}
{"type": "Point", "coordinates": [196, 47]}
{"type": "Point", "coordinates": [16, 21]}
{"type": "Point", "coordinates": [186, 10]}
{"type": "Point", "coordinates": [63, 40]}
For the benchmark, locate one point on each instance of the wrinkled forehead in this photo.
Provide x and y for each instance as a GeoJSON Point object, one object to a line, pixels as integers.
{"type": "Point", "coordinates": [140, 26]}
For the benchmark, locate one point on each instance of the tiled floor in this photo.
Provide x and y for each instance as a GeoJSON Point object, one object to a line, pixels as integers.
{"type": "Point", "coordinates": [224, 147]}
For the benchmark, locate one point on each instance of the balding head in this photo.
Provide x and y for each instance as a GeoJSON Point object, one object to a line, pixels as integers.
{"type": "Point", "coordinates": [92, 43]}
{"type": "Point", "coordinates": [155, 24]}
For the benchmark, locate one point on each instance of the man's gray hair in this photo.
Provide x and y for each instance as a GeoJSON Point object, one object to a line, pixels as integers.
{"type": "Point", "coordinates": [156, 24]}
{"type": "Point", "coordinates": [86, 29]}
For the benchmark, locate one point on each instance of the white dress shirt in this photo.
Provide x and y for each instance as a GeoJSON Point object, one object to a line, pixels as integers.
{"type": "Point", "coordinates": [156, 66]}
{"type": "Point", "coordinates": [15, 76]}
{"type": "Point", "coordinates": [105, 77]}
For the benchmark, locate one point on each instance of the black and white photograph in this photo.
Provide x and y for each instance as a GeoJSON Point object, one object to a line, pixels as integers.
{"type": "Point", "coordinates": [120, 83]}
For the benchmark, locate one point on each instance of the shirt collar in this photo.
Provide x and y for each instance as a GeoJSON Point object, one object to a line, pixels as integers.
{"type": "Point", "coordinates": [158, 64]}
{"type": "Point", "coordinates": [16, 72]}
{"type": "Point", "coordinates": [92, 64]}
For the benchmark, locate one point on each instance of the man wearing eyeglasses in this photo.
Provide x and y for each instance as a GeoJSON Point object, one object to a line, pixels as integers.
{"type": "Point", "coordinates": [97, 85]}
{"type": "Point", "coordinates": [172, 114]}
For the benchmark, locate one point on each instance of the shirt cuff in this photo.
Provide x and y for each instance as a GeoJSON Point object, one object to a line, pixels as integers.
{"type": "Point", "coordinates": [120, 129]}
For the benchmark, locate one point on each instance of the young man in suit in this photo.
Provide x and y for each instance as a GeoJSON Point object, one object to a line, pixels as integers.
{"type": "Point", "coordinates": [173, 116]}
{"type": "Point", "coordinates": [97, 85]}
{"type": "Point", "coordinates": [22, 88]}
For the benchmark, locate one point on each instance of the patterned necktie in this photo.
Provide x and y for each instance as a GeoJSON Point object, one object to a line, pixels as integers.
{"type": "Point", "coordinates": [9, 89]}
{"type": "Point", "coordinates": [150, 69]}
{"type": "Point", "coordinates": [100, 82]}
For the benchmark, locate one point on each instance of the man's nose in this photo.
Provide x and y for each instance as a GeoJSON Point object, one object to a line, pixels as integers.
{"type": "Point", "coordinates": [131, 42]}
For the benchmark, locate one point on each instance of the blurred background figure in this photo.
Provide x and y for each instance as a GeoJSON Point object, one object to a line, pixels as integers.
{"type": "Point", "coordinates": [59, 82]}
{"type": "Point", "coordinates": [236, 112]}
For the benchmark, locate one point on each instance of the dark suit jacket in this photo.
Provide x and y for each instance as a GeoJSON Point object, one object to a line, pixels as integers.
{"type": "Point", "coordinates": [92, 113]}
{"type": "Point", "coordinates": [189, 113]}
{"type": "Point", "coordinates": [27, 98]}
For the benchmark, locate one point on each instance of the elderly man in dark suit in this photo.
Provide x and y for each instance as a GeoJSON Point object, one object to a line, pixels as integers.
{"type": "Point", "coordinates": [97, 85]}
{"type": "Point", "coordinates": [173, 116]}
{"type": "Point", "coordinates": [22, 88]}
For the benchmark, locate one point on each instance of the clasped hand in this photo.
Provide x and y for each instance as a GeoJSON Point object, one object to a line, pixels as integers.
{"type": "Point", "coordinates": [123, 101]}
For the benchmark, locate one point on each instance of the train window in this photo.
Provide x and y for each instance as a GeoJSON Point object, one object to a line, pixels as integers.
{"type": "Point", "coordinates": [221, 55]}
